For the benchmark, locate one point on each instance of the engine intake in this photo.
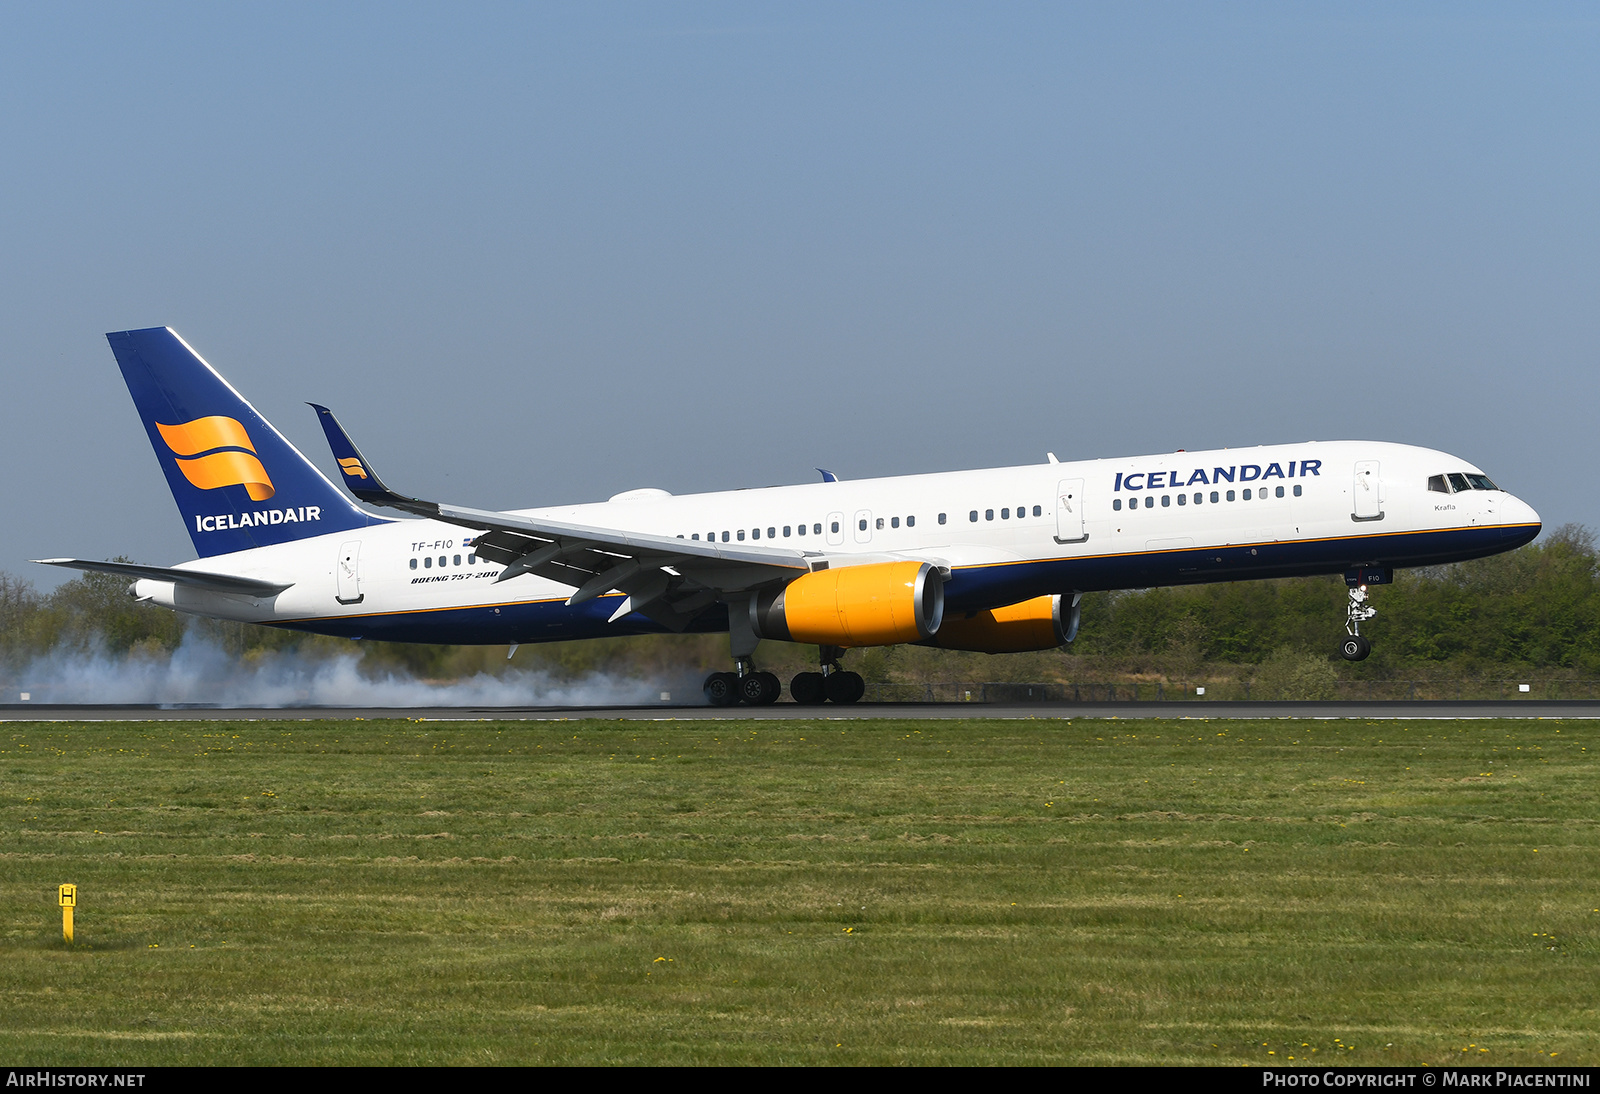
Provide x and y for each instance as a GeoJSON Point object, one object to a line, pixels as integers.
{"type": "Point", "coordinates": [879, 604]}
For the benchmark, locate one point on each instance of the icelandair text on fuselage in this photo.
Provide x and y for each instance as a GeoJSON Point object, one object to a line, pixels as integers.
{"type": "Point", "coordinates": [1249, 472]}
{"type": "Point", "coordinates": [222, 522]}
{"type": "Point", "coordinates": [1446, 1078]}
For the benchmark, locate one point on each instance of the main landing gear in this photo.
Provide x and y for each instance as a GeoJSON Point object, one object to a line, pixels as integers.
{"type": "Point", "coordinates": [831, 685]}
{"type": "Point", "coordinates": [1353, 647]}
{"type": "Point", "coordinates": [726, 689]}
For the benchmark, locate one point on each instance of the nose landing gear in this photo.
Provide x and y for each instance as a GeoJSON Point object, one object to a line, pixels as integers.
{"type": "Point", "coordinates": [1354, 646]}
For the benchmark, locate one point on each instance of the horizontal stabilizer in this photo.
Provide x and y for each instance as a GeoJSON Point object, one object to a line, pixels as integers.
{"type": "Point", "coordinates": [217, 583]}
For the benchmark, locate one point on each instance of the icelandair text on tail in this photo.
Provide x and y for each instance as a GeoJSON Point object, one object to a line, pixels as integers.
{"type": "Point", "coordinates": [224, 521]}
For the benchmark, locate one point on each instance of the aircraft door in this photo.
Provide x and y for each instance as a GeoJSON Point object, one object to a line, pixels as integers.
{"type": "Point", "coordinates": [347, 572]}
{"type": "Point", "coordinates": [835, 529]}
{"type": "Point", "coordinates": [1367, 503]}
{"type": "Point", "coordinates": [863, 526]}
{"type": "Point", "coordinates": [1069, 512]}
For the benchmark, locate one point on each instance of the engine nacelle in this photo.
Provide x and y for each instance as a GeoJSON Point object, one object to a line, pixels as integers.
{"type": "Point", "coordinates": [879, 604]}
{"type": "Point", "coordinates": [1037, 624]}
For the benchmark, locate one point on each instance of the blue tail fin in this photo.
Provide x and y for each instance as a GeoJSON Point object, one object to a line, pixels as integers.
{"type": "Point", "coordinates": [238, 483]}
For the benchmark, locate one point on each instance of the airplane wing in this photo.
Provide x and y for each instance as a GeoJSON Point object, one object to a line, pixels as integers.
{"type": "Point", "coordinates": [666, 578]}
{"type": "Point", "coordinates": [217, 583]}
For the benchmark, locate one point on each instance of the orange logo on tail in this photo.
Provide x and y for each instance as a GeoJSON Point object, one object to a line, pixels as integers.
{"type": "Point", "coordinates": [212, 470]}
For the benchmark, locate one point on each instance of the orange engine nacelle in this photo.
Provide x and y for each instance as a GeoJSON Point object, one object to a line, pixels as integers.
{"type": "Point", "coordinates": [880, 604]}
{"type": "Point", "coordinates": [1036, 624]}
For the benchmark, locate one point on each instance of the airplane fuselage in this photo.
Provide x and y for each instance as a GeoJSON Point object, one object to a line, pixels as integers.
{"type": "Point", "coordinates": [1004, 535]}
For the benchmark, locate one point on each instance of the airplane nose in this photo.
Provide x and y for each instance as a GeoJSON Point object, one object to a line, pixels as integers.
{"type": "Point", "coordinates": [1521, 512]}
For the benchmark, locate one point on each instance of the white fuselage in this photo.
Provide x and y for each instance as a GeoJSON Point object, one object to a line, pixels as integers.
{"type": "Point", "coordinates": [1004, 535]}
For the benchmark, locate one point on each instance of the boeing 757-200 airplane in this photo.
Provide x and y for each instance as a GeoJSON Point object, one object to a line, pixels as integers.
{"type": "Point", "coordinates": [994, 560]}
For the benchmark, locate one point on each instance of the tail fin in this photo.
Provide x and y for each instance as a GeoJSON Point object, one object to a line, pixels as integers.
{"type": "Point", "coordinates": [237, 481]}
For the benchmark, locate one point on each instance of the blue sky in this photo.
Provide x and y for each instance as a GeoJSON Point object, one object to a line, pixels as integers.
{"type": "Point", "coordinates": [541, 254]}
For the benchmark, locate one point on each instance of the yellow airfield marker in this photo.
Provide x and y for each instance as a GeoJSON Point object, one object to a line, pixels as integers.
{"type": "Point", "coordinates": [67, 896]}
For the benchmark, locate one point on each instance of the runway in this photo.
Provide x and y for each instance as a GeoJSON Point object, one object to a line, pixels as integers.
{"type": "Point", "coordinates": [780, 712]}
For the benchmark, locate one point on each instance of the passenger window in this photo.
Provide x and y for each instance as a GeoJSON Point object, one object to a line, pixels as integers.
{"type": "Point", "coordinates": [1436, 484]}
{"type": "Point", "coordinates": [456, 560]}
{"type": "Point", "coordinates": [1166, 501]}
{"type": "Point", "coordinates": [1247, 493]}
{"type": "Point", "coordinates": [1230, 495]}
{"type": "Point", "coordinates": [772, 533]}
{"type": "Point", "coordinates": [725, 536]}
{"type": "Point", "coordinates": [988, 514]}
{"type": "Point", "coordinates": [441, 562]}
{"type": "Point", "coordinates": [1038, 510]}
{"type": "Point", "coordinates": [695, 536]}
{"type": "Point", "coordinates": [941, 518]}
{"type": "Point", "coordinates": [741, 535]}
{"type": "Point", "coordinates": [413, 564]}
{"type": "Point", "coordinates": [862, 525]}
{"type": "Point", "coordinates": [1278, 492]}
{"type": "Point", "coordinates": [911, 522]}
{"type": "Point", "coordinates": [1150, 503]}
{"type": "Point", "coordinates": [835, 527]}
{"type": "Point", "coordinates": [1214, 498]}
{"type": "Point", "coordinates": [879, 524]}
{"type": "Point", "coordinates": [1183, 499]}
{"type": "Point", "coordinates": [427, 563]}
{"type": "Point", "coordinates": [472, 559]}
{"type": "Point", "coordinates": [1005, 514]}
{"type": "Point", "coordinates": [816, 529]}
{"type": "Point", "coordinates": [1198, 497]}
{"type": "Point", "coordinates": [755, 533]}
{"type": "Point", "coordinates": [1297, 490]}
{"type": "Point", "coordinates": [1116, 503]}
{"type": "Point", "coordinates": [786, 528]}
{"type": "Point", "coordinates": [973, 516]}
{"type": "Point", "coordinates": [894, 522]}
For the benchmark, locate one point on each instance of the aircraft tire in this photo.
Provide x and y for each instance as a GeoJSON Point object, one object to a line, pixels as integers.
{"type": "Point", "coordinates": [809, 688]}
{"type": "Point", "coordinates": [722, 689]}
{"type": "Point", "coordinates": [760, 688]}
{"type": "Point", "coordinates": [1354, 648]}
{"type": "Point", "coordinates": [845, 687]}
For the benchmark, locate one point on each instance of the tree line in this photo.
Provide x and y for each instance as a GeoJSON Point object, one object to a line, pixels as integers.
{"type": "Point", "coordinates": [1535, 609]}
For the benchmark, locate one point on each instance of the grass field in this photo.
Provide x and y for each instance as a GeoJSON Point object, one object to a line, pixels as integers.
{"type": "Point", "coordinates": [1182, 892]}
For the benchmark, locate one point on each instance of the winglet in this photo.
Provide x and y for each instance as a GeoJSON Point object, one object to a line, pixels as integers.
{"type": "Point", "coordinates": [827, 476]}
{"type": "Point", "coordinates": [359, 477]}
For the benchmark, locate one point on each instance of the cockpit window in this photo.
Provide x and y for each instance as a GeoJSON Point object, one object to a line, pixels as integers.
{"type": "Point", "coordinates": [1460, 482]}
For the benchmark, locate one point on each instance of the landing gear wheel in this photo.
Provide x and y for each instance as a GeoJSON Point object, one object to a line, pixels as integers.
{"type": "Point", "coordinates": [809, 688]}
{"type": "Point", "coordinates": [722, 689]}
{"type": "Point", "coordinates": [1354, 648]}
{"type": "Point", "coordinates": [759, 688]}
{"type": "Point", "coordinates": [844, 687]}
